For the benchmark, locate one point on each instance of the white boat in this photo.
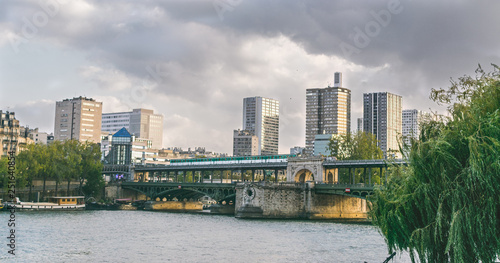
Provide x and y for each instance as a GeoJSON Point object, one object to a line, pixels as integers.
{"type": "Point", "coordinates": [57, 203]}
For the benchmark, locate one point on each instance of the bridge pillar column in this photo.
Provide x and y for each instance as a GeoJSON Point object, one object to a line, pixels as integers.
{"type": "Point", "coordinates": [183, 176]}
{"type": "Point", "coordinates": [370, 176]}
{"type": "Point", "coordinates": [221, 176]}
{"type": "Point", "coordinates": [253, 175]}
{"type": "Point", "coordinates": [350, 175]}
{"type": "Point", "coordinates": [211, 176]}
{"type": "Point", "coordinates": [364, 174]}
{"type": "Point", "coordinates": [385, 173]}
{"type": "Point", "coordinates": [275, 175]}
{"type": "Point", "coordinates": [354, 176]}
{"type": "Point", "coordinates": [168, 176]}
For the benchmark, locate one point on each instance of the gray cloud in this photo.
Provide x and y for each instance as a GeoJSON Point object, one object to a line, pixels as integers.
{"type": "Point", "coordinates": [181, 59]}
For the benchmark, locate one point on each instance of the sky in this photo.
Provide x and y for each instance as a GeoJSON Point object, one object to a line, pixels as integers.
{"type": "Point", "coordinates": [195, 61]}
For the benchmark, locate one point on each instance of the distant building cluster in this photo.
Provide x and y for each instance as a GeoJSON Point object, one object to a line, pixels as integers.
{"type": "Point", "coordinates": [142, 123]}
{"type": "Point", "coordinates": [136, 136]}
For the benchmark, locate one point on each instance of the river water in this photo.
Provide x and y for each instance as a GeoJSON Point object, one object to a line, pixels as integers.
{"type": "Point", "coordinates": [144, 236]}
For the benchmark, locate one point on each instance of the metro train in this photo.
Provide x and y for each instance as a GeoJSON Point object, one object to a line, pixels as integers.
{"type": "Point", "coordinates": [232, 160]}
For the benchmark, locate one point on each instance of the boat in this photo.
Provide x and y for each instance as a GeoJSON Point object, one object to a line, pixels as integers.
{"type": "Point", "coordinates": [55, 203]}
{"type": "Point", "coordinates": [1, 204]}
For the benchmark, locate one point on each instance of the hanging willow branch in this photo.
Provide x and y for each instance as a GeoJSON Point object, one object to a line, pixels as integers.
{"type": "Point", "coordinates": [446, 206]}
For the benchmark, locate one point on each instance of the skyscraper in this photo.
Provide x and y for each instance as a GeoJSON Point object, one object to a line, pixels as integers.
{"type": "Point", "coordinates": [360, 125]}
{"type": "Point", "coordinates": [142, 123]}
{"type": "Point", "coordinates": [78, 119]}
{"type": "Point", "coordinates": [382, 117]}
{"type": "Point", "coordinates": [261, 118]}
{"type": "Point", "coordinates": [328, 111]}
{"type": "Point", "coordinates": [411, 121]}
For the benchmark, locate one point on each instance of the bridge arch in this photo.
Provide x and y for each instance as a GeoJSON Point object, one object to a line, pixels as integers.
{"type": "Point", "coordinates": [303, 175]}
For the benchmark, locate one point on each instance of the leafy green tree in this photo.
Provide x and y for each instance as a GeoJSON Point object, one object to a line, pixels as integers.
{"type": "Point", "coordinates": [4, 173]}
{"type": "Point", "coordinates": [27, 168]}
{"type": "Point", "coordinates": [445, 207]}
{"type": "Point", "coordinates": [90, 170]}
{"type": "Point", "coordinates": [357, 146]}
{"type": "Point", "coordinates": [61, 161]}
{"type": "Point", "coordinates": [72, 160]}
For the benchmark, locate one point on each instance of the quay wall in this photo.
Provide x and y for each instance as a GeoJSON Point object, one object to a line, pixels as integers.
{"type": "Point", "coordinates": [117, 192]}
{"type": "Point", "coordinates": [269, 200]}
{"type": "Point", "coordinates": [174, 206]}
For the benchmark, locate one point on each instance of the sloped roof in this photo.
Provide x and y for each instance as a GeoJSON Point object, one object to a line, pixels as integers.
{"type": "Point", "coordinates": [122, 133]}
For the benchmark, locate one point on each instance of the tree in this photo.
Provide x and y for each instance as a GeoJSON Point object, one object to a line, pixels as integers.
{"type": "Point", "coordinates": [69, 160]}
{"type": "Point", "coordinates": [358, 146]}
{"type": "Point", "coordinates": [4, 173]}
{"type": "Point", "coordinates": [91, 170]}
{"type": "Point", "coordinates": [446, 206]}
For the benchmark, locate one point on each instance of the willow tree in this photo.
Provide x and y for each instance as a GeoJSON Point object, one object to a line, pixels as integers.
{"type": "Point", "coordinates": [445, 207]}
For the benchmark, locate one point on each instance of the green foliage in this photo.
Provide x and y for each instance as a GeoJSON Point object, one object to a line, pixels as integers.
{"type": "Point", "coordinates": [61, 161]}
{"type": "Point", "coordinates": [4, 175]}
{"type": "Point", "coordinates": [358, 146]}
{"type": "Point", "coordinates": [445, 207]}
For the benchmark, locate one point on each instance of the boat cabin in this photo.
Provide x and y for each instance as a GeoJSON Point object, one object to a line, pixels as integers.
{"type": "Point", "coordinates": [67, 200]}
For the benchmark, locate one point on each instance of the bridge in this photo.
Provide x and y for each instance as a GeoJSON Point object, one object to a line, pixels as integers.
{"type": "Point", "coordinates": [218, 181]}
{"type": "Point", "coordinates": [183, 191]}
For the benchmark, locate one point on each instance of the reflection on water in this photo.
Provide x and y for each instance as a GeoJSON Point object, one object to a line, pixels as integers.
{"type": "Point", "coordinates": [135, 236]}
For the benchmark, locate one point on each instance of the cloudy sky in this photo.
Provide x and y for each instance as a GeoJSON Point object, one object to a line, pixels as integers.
{"type": "Point", "coordinates": [195, 61]}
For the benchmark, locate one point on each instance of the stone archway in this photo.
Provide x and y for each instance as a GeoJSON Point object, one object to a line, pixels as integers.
{"type": "Point", "coordinates": [310, 167]}
{"type": "Point", "coordinates": [303, 176]}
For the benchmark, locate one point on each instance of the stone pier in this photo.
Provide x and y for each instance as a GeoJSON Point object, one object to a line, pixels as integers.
{"type": "Point", "coordinates": [295, 200]}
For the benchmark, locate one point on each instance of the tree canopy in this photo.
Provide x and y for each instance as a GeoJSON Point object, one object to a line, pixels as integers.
{"type": "Point", "coordinates": [357, 146]}
{"type": "Point", "coordinates": [445, 207]}
{"type": "Point", "coordinates": [61, 162]}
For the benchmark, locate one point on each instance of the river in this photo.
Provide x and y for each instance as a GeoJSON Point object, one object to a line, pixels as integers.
{"type": "Point", "coordinates": [144, 236]}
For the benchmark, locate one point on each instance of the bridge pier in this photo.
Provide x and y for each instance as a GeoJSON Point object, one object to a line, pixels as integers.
{"type": "Point", "coordinates": [295, 200]}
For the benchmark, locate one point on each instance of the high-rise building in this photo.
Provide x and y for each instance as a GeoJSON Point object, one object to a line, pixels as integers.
{"type": "Point", "coordinates": [411, 125]}
{"type": "Point", "coordinates": [78, 119]}
{"type": "Point", "coordinates": [245, 143]}
{"type": "Point", "coordinates": [142, 123]}
{"type": "Point", "coordinates": [328, 111]}
{"type": "Point", "coordinates": [115, 121]}
{"type": "Point", "coordinates": [382, 117]}
{"type": "Point", "coordinates": [360, 125]}
{"type": "Point", "coordinates": [261, 118]}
